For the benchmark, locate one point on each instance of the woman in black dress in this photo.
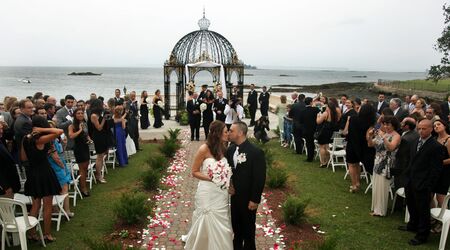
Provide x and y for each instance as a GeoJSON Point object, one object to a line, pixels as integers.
{"type": "Point", "coordinates": [208, 115]}
{"type": "Point", "coordinates": [42, 183]}
{"type": "Point", "coordinates": [78, 132]}
{"type": "Point", "coordinates": [157, 110]}
{"type": "Point", "coordinates": [357, 150]}
{"type": "Point", "coordinates": [145, 122]}
{"type": "Point", "coordinates": [101, 135]}
{"type": "Point", "coordinates": [328, 123]}
{"type": "Point", "coordinates": [443, 182]}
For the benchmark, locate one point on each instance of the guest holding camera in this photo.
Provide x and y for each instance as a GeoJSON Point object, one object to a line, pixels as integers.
{"type": "Point", "coordinates": [234, 112]}
{"type": "Point", "coordinates": [261, 125]}
{"type": "Point", "coordinates": [100, 135]}
{"type": "Point", "coordinates": [78, 132]}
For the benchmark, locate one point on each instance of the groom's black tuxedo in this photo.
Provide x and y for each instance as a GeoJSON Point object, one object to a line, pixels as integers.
{"type": "Point", "coordinates": [248, 180]}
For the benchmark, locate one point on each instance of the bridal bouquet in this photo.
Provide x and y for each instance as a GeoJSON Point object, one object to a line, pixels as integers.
{"type": "Point", "coordinates": [160, 104]}
{"type": "Point", "coordinates": [220, 174]}
{"type": "Point", "coordinates": [203, 107]}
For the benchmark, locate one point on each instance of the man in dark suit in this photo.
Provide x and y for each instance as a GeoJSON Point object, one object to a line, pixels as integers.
{"type": "Point", "coordinates": [9, 179]}
{"type": "Point", "coordinates": [248, 180]}
{"type": "Point", "coordinates": [308, 126]}
{"type": "Point", "coordinates": [117, 99]}
{"type": "Point", "coordinates": [64, 117]}
{"type": "Point", "coordinates": [193, 109]}
{"type": "Point", "coordinates": [264, 101]}
{"type": "Point", "coordinates": [445, 109]}
{"type": "Point", "coordinates": [402, 158]}
{"type": "Point", "coordinates": [133, 119]}
{"type": "Point", "coordinates": [219, 106]}
{"type": "Point", "coordinates": [381, 104]}
{"type": "Point", "coordinates": [295, 111]}
{"type": "Point", "coordinates": [396, 106]}
{"type": "Point", "coordinates": [424, 168]}
{"type": "Point", "coordinates": [23, 125]}
{"type": "Point", "coordinates": [202, 94]}
{"type": "Point", "coordinates": [252, 103]}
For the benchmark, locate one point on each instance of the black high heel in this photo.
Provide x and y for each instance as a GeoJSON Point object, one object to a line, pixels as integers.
{"type": "Point", "coordinates": [85, 194]}
{"type": "Point", "coordinates": [49, 240]}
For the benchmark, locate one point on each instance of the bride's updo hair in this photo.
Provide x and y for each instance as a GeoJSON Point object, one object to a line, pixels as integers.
{"type": "Point", "coordinates": [215, 144]}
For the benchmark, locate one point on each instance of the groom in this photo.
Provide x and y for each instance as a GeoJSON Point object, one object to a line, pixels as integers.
{"type": "Point", "coordinates": [249, 176]}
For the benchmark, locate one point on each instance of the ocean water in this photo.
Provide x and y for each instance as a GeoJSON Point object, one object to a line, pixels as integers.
{"type": "Point", "coordinates": [55, 81]}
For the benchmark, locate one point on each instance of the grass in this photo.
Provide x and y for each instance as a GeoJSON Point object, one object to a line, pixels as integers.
{"type": "Point", "coordinates": [94, 216]}
{"type": "Point", "coordinates": [342, 215]}
{"type": "Point", "coordinates": [421, 84]}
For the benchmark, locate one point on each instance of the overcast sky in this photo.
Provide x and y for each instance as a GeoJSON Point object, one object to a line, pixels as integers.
{"type": "Point", "coordinates": [393, 35]}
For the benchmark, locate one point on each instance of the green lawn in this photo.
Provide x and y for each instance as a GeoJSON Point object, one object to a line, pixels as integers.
{"type": "Point", "coordinates": [343, 215]}
{"type": "Point", "coordinates": [94, 215]}
{"type": "Point", "coordinates": [440, 86]}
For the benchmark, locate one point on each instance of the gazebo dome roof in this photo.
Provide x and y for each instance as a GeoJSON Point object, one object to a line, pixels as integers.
{"type": "Point", "coordinates": [203, 45]}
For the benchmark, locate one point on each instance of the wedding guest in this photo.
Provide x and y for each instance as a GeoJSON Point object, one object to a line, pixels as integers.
{"type": "Point", "coordinates": [202, 94]}
{"type": "Point", "coordinates": [100, 135]}
{"type": "Point", "coordinates": [145, 122]}
{"type": "Point", "coordinates": [117, 99]}
{"type": "Point", "coordinates": [357, 149]}
{"type": "Point", "coordinates": [252, 103]}
{"type": "Point", "coordinates": [157, 109]}
{"type": "Point", "coordinates": [41, 183]}
{"type": "Point", "coordinates": [40, 111]}
{"type": "Point", "coordinates": [357, 104]}
{"type": "Point", "coordinates": [386, 143]}
{"type": "Point", "coordinates": [93, 96]}
{"type": "Point", "coordinates": [50, 109]}
{"type": "Point", "coordinates": [327, 122]}
{"type": "Point", "coordinates": [308, 125]}
{"type": "Point", "coordinates": [294, 97]}
{"type": "Point", "coordinates": [287, 129]}
{"type": "Point", "coordinates": [406, 102]}
{"type": "Point", "coordinates": [382, 104]}
{"type": "Point", "coordinates": [39, 103]}
{"type": "Point", "coordinates": [419, 108]}
{"type": "Point", "coordinates": [445, 109]}
{"type": "Point", "coordinates": [281, 110]}
{"type": "Point", "coordinates": [9, 179]}
{"type": "Point", "coordinates": [264, 101]}
{"type": "Point", "coordinates": [64, 117]}
{"type": "Point", "coordinates": [235, 93]}
{"type": "Point", "coordinates": [193, 109]}
{"type": "Point", "coordinates": [412, 103]}
{"type": "Point", "coordinates": [10, 103]}
{"type": "Point", "coordinates": [219, 106]}
{"type": "Point", "coordinates": [396, 106]}
{"type": "Point", "coordinates": [133, 118]}
{"type": "Point", "coordinates": [207, 114]}
{"type": "Point", "coordinates": [23, 125]}
{"type": "Point", "coordinates": [234, 112]}
{"type": "Point", "coordinates": [51, 100]}
{"type": "Point", "coordinates": [421, 175]}
{"type": "Point", "coordinates": [120, 135]}
{"type": "Point", "coordinates": [430, 113]}
{"type": "Point", "coordinates": [441, 188]}
{"type": "Point", "coordinates": [59, 165]}
{"type": "Point", "coordinates": [343, 105]}
{"type": "Point", "coordinates": [261, 125]}
{"type": "Point", "coordinates": [78, 132]}
{"type": "Point", "coordinates": [349, 112]}
{"type": "Point", "coordinates": [297, 122]}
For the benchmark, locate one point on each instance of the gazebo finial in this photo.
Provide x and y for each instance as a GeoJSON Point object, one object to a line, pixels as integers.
{"type": "Point", "coordinates": [204, 22]}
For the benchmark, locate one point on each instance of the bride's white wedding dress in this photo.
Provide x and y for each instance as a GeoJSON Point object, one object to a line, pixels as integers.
{"type": "Point", "coordinates": [211, 223]}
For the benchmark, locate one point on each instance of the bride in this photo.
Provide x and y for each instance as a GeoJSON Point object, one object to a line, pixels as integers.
{"type": "Point", "coordinates": [211, 223]}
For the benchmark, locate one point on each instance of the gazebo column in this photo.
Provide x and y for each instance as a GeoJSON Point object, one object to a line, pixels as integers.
{"type": "Point", "coordinates": [241, 84]}
{"type": "Point", "coordinates": [180, 97]}
{"type": "Point", "coordinates": [167, 99]}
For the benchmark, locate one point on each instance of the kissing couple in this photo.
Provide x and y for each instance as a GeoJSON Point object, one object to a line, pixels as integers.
{"type": "Point", "coordinates": [239, 171]}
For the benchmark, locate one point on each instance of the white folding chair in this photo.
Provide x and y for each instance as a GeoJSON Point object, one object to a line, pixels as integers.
{"type": "Point", "coordinates": [443, 215]}
{"type": "Point", "coordinates": [74, 183]}
{"type": "Point", "coordinates": [281, 137]}
{"type": "Point", "coordinates": [91, 175]}
{"type": "Point", "coordinates": [391, 194]}
{"type": "Point", "coordinates": [364, 174]}
{"type": "Point", "coordinates": [317, 150]}
{"type": "Point", "coordinates": [58, 201]}
{"type": "Point", "coordinates": [337, 152]}
{"type": "Point", "coordinates": [293, 145]}
{"type": "Point", "coordinates": [400, 192]}
{"type": "Point", "coordinates": [20, 224]}
{"type": "Point", "coordinates": [22, 177]}
{"type": "Point", "coordinates": [305, 149]}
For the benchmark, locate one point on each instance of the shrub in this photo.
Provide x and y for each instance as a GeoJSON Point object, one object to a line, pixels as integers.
{"type": "Point", "coordinates": [105, 245]}
{"type": "Point", "coordinates": [151, 179]}
{"type": "Point", "coordinates": [131, 208]}
{"type": "Point", "coordinates": [276, 177]}
{"type": "Point", "coordinates": [169, 147]}
{"type": "Point", "coordinates": [277, 131]}
{"type": "Point", "coordinates": [158, 162]}
{"type": "Point", "coordinates": [294, 210]}
{"type": "Point", "coordinates": [173, 134]}
{"type": "Point", "coordinates": [183, 118]}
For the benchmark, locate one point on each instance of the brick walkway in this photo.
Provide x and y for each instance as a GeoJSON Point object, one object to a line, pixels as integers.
{"type": "Point", "coordinates": [175, 205]}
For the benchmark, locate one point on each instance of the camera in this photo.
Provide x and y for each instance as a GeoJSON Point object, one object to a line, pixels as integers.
{"type": "Point", "coordinates": [107, 115]}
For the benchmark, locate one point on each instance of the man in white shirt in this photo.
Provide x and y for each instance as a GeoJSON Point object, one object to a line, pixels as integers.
{"type": "Point", "coordinates": [344, 98]}
{"type": "Point", "coordinates": [381, 103]}
{"type": "Point", "coordinates": [412, 103]}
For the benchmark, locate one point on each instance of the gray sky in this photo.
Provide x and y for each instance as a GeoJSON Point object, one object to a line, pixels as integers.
{"type": "Point", "coordinates": [393, 35]}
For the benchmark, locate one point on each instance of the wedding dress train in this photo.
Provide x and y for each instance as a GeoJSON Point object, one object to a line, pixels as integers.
{"type": "Point", "coordinates": [211, 223]}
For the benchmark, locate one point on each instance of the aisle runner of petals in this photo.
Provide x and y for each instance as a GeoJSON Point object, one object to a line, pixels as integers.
{"type": "Point", "coordinates": [167, 225]}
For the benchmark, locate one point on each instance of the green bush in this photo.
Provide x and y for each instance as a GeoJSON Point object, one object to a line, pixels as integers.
{"type": "Point", "coordinates": [276, 177]}
{"type": "Point", "coordinates": [277, 131]}
{"type": "Point", "coordinates": [169, 147]}
{"type": "Point", "coordinates": [106, 245]}
{"type": "Point", "coordinates": [184, 118]}
{"type": "Point", "coordinates": [294, 210]}
{"type": "Point", "coordinates": [151, 179]}
{"type": "Point", "coordinates": [173, 134]}
{"type": "Point", "coordinates": [132, 208]}
{"type": "Point", "coordinates": [158, 162]}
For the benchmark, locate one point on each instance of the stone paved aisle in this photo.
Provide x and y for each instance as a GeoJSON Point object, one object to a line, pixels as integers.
{"type": "Point", "coordinates": [174, 208]}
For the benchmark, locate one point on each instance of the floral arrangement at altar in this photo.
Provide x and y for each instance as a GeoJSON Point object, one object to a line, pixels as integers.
{"type": "Point", "coordinates": [220, 174]}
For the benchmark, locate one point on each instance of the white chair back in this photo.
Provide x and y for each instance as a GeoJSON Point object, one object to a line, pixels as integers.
{"type": "Point", "coordinates": [7, 213]}
{"type": "Point", "coordinates": [444, 207]}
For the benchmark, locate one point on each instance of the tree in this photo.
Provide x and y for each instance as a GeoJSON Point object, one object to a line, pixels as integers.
{"type": "Point", "coordinates": [441, 71]}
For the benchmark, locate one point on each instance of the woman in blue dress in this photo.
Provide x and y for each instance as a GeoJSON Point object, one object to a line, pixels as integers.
{"type": "Point", "coordinates": [119, 131]}
{"type": "Point", "coordinates": [58, 163]}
